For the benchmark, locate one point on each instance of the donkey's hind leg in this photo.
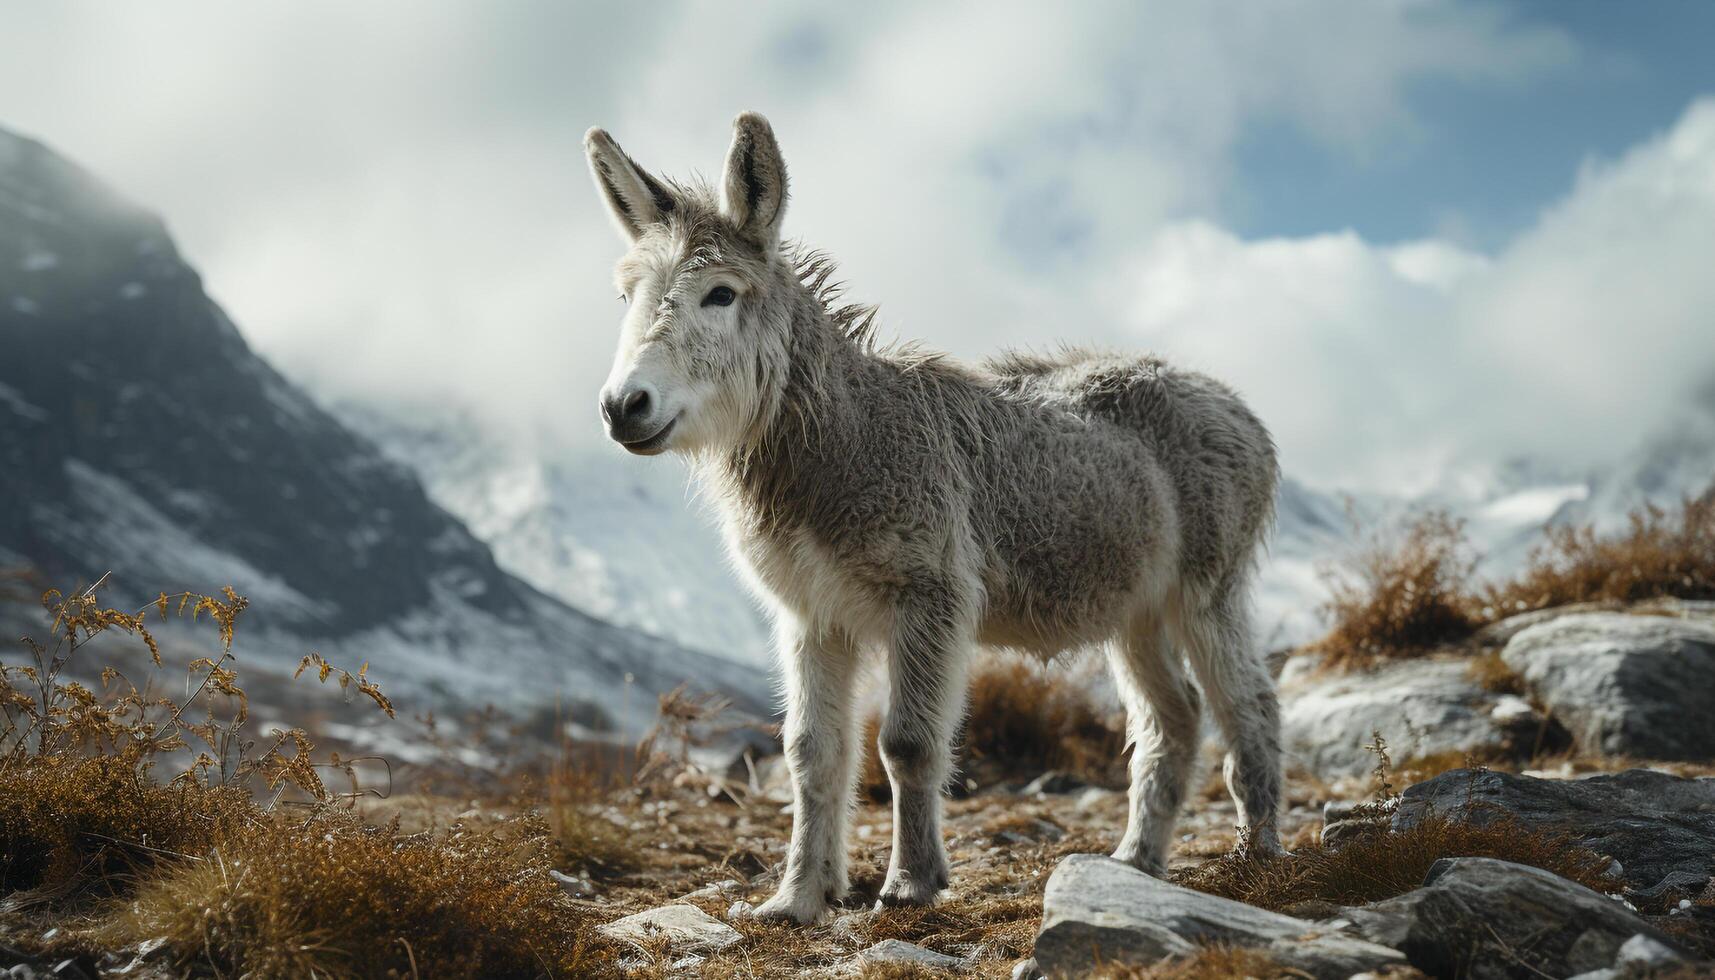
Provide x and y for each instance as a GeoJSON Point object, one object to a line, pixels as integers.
{"type": "Point", "coordinates": [1162, 712]}
{"type": "Point", "coordinates": [1242, 695]}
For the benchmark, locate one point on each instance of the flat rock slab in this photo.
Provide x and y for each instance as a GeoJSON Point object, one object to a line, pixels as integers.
{"type": "Point", "coordinates": [1654, 823]}
{"type": "Point", "coordinates": [1630, 685]}
{"type": "Point", "coordinates": [685, 927]}
{"type": "Point", "coordinates": [1486, 919]}
{"type": "Point", "coordinates": [900, 951]}
{"type": "Point", "coordinates": [1421, 707]}
{"type": "Point", "coordinates": [1100, 911]}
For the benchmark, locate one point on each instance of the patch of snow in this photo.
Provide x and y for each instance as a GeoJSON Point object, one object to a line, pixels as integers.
{"type": "Point", "coordinates": [1533, 505]}
{"type": "Point", "coordinates": [133, 290]}
{"type": "Point", "coordinates": [25, 305]}
{"type": "Point", "coordinates": [39, 260]}
{"type": "Point", "coordinates": [15, 400]}
{"type": "Point", "coordinates": [115, 527]}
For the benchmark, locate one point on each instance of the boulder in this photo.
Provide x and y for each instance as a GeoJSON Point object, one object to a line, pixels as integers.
{"type": "Point", "coordinates": [1481, 918]}
{"type": "Point", "coordinates": [1100, 911]}
{"type": "Point", "coordinates": [1653, 823]}
{"type": "Point", "coordinates": [685, 927]}
{"type": "Point", "coordinates": [1421, 707]}
{"type": "Point", "coordinates": [1627, 685]}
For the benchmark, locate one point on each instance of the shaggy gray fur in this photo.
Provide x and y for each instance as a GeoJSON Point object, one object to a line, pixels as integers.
{"type": "Point", "coordinates": [895, 501]}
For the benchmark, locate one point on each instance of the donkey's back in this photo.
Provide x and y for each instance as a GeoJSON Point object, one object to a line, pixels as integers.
{"type": "Point", "coordinates": [1116, 482]}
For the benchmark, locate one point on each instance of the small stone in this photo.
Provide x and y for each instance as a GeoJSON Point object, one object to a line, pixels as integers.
{"type": "Point", "coordinates": [720, 889]}
{"type": "Point", "coordinates": [575, 887]}
{"type": "Point", "coordinates": [1026, 970]}
{"type": "Point", "coordinates": [1642, 950]}
{"type": "Point", "coordinates": [684, 926]}
{"type": "Point", "coordinates": [900, 951]}
{"type": "Point", "coordinates": [740, 910]}
{"type": "Point", "coordinates": [1052, 783]}
{"type": "Point", "coordinates": [1091, 798]}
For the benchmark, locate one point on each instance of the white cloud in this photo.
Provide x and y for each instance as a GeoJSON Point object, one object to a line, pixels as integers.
{"type": "Point", "coordinates": [391, 197]}
{"type": "Point", "coordinates": [1377, 366]}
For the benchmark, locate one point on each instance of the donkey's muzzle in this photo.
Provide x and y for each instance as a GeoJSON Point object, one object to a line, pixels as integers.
{"type": "Point", "coordinates": [631, 416]}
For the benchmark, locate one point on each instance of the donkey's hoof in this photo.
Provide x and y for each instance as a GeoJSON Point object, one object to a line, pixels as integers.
{"type": "Point", "coordinates": [1142, 860]}
{"type": "Point", "coordinates": [907, 889]}
{"type": "Point", "coordinates": [797, 909]}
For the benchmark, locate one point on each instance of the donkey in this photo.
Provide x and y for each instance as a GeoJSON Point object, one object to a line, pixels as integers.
{"type": "Point", "coordinates": [885, 499]}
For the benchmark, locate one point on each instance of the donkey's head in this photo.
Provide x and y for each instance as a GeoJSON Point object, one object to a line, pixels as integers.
{"type": "Point", "coordinates": [707, 295]}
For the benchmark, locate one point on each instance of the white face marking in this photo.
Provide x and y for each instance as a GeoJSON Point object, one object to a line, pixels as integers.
{"type": "Point", "coordinates": [673, 381]}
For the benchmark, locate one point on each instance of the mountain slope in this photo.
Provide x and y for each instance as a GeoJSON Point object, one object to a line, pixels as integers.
{"type": "Point", "coordinates": [613, 535]}
{"type": "Point", "coordinates": [140, 434]}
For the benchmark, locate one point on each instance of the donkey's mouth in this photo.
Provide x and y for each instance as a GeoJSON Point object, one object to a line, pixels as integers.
{"type": "Point", "coordinates": [654, 444]}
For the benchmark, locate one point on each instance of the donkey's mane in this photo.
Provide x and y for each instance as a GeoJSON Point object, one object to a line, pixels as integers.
{"type": "Point", "coordinates": [816, 270]}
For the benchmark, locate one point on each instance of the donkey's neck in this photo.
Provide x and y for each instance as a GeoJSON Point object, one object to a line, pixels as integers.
{"type": "Point", "coordinates": [812, 424]}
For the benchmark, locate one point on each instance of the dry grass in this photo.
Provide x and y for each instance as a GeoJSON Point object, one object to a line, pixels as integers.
{"type": "Point", "coordinates": [1400, 595]}
{"type": "Point", "coordinates": [1408, 591]}
{"type": "Point", "coordinates": [1379, 866]}
{"type": "Point", "coordinates": [1660, 554]}
{"type": "Point", "coordinates": [1025, 719]}
{"type": "Point", "coordinates": [1489, 672]}
{"type": "Point", "coordinates": [70, 823]}
{"type": "Point", "coordinates": [1213, 962]}
{"type": "Point", "coordinates": [128, 820]}
{"type": "Point", "coordinates": [334, 898]}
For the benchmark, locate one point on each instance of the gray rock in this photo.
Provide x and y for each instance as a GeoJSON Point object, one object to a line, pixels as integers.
{"type": "Point", "coordinates": [1498, 633]}
{"type": "Point", "coordinates": [1026, 970]}
{"type": "Point", "coordinates": [1099, 910]}
{"type": "Point", "coordinates": [900, 951]}
{"type": "Point", "coordinates": [1421, 707]}
{"type": "Point", "coordinates": [686, 928]}
{"type": "Point", "coordinates": [725, 888]}
{"type": "Point", "coordinates": [1481, 918]}
{"type": "Point", "coordinates": [1624, 684]}
{"type": "Point", "coordinates": [1053, 782]}
{"type": "Point", "coordinates": [573, 886]}
{"type": "Point", "coordinates": [1641, 956]}
{"type": "Point", "coordinates": [1653, 823]}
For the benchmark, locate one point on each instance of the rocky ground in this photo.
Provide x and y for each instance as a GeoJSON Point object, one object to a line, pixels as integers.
{"type": "Point", "coordinates": [1536, 731]}
{"type": "Point", "coordinates": [1536, 802]}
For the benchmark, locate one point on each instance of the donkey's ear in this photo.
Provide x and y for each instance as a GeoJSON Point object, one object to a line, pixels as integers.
{"type": "Point", "coordinates": [753, 192]}
{"type": "Point", "coordinates": [636, 199]}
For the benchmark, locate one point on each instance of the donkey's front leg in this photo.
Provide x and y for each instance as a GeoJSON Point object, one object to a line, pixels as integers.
{"type": "Point", "coordinates": [819, 673]}
{"type": "Point", "coordinates": [926, 670]}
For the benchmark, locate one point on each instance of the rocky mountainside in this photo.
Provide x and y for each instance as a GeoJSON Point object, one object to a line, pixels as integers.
{"type": "Point", "coordinates": [616, 536]}
{"type": "Point", "coordinates": [140, 434]}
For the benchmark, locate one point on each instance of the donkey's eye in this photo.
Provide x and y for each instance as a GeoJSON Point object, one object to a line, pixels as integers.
{"type": "Point", "coordinates": [720, 296]}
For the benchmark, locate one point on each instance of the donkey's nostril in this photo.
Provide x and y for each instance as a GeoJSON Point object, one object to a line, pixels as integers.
{"type": "Point", "coordinates": [626, 409]}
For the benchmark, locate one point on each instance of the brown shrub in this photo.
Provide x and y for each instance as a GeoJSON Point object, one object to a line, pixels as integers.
{"type": "Point", "coordinates": [1400, 595]}
{"type": "Point", "coordinates": [1660, 554]}
{"type": "Point", "coordinates": [1024, 719]}
{"type": "Point", "coordinates": [68, 821]}
{"type": "Point", "coordinates": [1378, 866]}
{"type": "Point", "coordinates": [1489, 672]}
{"type": "Point", "coordinates": [336, 899]}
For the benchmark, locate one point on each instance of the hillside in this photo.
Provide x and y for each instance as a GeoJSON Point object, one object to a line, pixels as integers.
{"type": "Point", "coordinates": [140, 434]}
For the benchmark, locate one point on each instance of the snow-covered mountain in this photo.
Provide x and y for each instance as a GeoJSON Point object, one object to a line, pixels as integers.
{"type": "Point", "coordinates": [624, 539]}
{"type": "Point", "coordinates": [616, 536]}
{"type": "Point", "coordinates": [139, 434]}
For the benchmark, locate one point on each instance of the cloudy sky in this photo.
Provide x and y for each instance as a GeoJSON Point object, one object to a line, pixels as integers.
{"type": "Point", "coordinates": [1413, 233]}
